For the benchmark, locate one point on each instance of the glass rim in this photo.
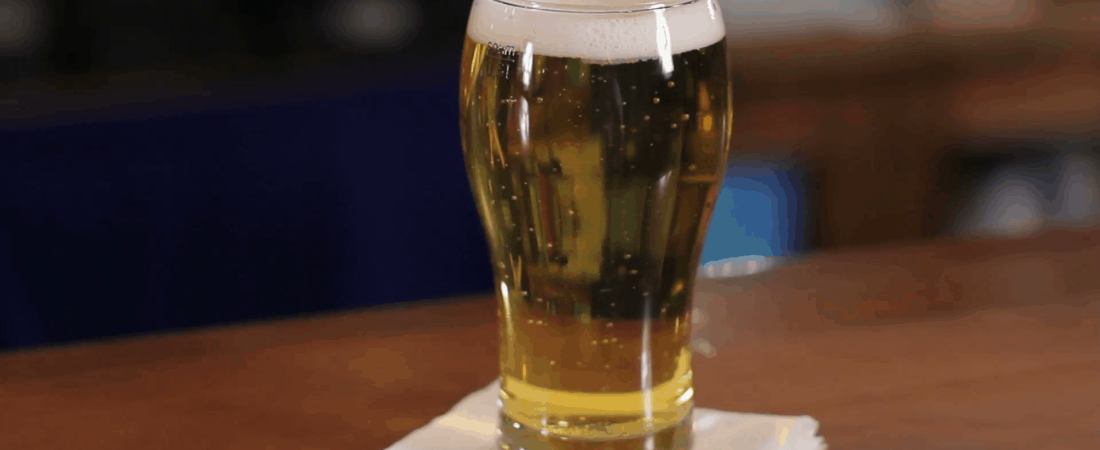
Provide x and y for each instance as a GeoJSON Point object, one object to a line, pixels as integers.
{"type": "Point", "coordinates": [552, 6]}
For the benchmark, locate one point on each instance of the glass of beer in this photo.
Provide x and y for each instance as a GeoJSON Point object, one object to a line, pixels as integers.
{"type": "Point", "coordinates": [595, 137]}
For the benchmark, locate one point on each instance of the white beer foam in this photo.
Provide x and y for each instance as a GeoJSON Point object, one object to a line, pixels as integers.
{"type": "Point", "coordinates": [598, 36]}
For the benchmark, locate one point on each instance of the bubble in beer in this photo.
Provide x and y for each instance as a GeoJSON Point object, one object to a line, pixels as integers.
{"type": "Point", "coordinates": [671, 84]}
{"type": "Point", "coordinates": [656, 100]}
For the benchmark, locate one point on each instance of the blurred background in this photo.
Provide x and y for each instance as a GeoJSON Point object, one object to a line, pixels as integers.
{"type": "Point", "coordinates": [173, 164]}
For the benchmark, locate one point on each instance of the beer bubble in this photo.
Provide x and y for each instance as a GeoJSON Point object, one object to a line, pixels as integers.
{"type": "Point", "coordinates": [674, 126]}
{"type": "Point", "coordinates": [671, 84]}
{"type": "Point", "coordinates": [656, 100]}
{"type": "Point", "coordinates": [645, 117]}
{"type": "Point", "coordinates": [515, 198]}
{"type": "Point", "coordinates": [685, 117]}
{"type": "Point", "coordinates": [538, 99]}
{"type": "Point", "coordinates": [610, 325]}
{"type": "Point", "coordinates": [624, 103]}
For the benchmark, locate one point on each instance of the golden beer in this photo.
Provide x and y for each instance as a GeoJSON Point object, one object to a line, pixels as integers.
{"type": "Point", "coordinates": [595, 165]}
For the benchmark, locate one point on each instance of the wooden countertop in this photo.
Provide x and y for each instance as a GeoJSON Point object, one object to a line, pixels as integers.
{"type": "Point", "coordinates": [945, 344]}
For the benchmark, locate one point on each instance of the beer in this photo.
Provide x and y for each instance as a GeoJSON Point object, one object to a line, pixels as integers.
{"type": "Point", "coordinates": [595, 163]}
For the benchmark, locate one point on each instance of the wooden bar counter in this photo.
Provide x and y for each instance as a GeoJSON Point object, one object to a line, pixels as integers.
{"type": "Point", "coordinates": [946, 344]}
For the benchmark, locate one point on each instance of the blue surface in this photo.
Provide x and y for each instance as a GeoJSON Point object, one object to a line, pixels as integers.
{"type": "Point", "coordinates": [140, 225]}
{"type": "Point", "coordinates": [762, 210]}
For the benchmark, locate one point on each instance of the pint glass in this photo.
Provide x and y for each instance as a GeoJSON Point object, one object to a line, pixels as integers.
{"type": "Point", "coordinates": [595, 137]}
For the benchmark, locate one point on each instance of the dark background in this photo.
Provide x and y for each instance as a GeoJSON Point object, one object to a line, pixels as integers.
{"type": "Point", "coordinates": [176, 164]}
{"type": "Point", "coordinates": [182, 163]}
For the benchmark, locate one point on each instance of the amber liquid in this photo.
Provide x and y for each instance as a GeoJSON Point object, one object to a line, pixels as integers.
{"type": "Point", "coordinates": [595, 183]}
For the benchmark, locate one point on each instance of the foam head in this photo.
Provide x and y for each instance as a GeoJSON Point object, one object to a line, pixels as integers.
{"type": "Point", "coordinates": [604, 31]}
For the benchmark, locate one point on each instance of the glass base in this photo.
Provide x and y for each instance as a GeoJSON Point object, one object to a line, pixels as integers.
{"type": "Point", "coordinates": [515, 436]}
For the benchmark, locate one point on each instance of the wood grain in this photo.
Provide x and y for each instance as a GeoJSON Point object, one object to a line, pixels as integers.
{"type": "Point", "coordinates": [1012, 364]}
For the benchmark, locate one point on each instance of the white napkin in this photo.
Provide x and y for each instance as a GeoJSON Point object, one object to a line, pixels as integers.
{"type": "Point", "coordinates": [472, 424]}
